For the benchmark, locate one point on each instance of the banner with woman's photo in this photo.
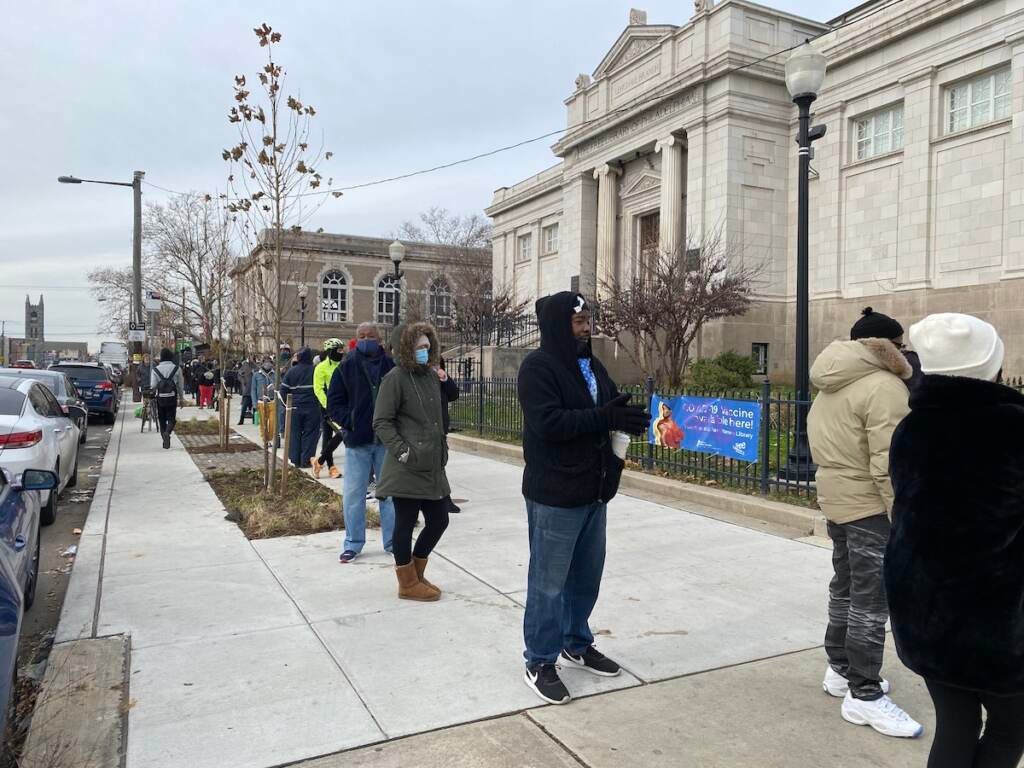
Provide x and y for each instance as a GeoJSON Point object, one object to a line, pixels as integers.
{"type": "Point", "coordinates": [715, 425]}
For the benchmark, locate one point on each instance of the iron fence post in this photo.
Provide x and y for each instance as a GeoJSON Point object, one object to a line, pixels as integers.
{"type": "Point", "coordinates": [649, 392]}
{"type": "Point", "coordinates": [766, 413]}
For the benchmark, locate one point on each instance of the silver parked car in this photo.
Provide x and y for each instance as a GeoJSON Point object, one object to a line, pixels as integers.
{"type": "Point", "coordinates": [35, 433]}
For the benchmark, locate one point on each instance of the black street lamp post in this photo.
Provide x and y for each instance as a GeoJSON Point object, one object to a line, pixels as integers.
{"type": "Point", "coordinates": [397, 252]}
{"type": "Point", "coordinates": [303, 292]}
{"type": "Point", "coordinates": [805, 73]}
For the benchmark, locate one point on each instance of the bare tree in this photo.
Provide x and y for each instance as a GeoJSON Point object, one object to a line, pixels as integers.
{"type": "Point", "coordinates": [657, 314]}
{"type": "Point", "coordinates": [437, 225]}
{"type": "Point", "coordinates": [478, 306]}
{"type": "Point", "coordinates": [112, 286]}
{"type": "Point", "coordinates": [188, 244]}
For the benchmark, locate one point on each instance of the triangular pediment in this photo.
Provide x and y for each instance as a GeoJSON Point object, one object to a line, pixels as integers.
{"type": "Point", "coordinates": [634, 41]}
{"type": "Point", "coordinates": [645, 182]}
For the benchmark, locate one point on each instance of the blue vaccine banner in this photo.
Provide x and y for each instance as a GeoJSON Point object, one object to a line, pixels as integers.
{"type": "Point", "coordinates": [728, 428]}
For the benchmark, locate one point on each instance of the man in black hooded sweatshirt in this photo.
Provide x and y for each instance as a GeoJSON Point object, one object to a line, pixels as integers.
{"type": "Point", "coordinates": [570, 405]}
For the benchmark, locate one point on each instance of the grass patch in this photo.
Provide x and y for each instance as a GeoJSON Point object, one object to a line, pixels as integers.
{"type": "Point", "coordinates": [196, 427]}
{"type": "Point", "coordinates": [307, 508]}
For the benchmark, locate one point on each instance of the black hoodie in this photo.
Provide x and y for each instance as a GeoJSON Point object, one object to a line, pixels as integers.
{"type": "Point", "coordinates": [298, 382]}
{"type": "Point", "coordinates": [569, 459]}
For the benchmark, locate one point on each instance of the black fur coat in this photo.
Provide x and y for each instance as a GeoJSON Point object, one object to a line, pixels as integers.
{"type": "Point", "coordinates": [954, 569]}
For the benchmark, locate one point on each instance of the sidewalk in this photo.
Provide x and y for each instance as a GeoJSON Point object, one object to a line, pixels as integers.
{"type": "Point", "coordinates": [269, 652]}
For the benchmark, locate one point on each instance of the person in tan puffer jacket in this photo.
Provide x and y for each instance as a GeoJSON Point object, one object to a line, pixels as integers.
{"type": "Point", "coordinates": [862, 398]}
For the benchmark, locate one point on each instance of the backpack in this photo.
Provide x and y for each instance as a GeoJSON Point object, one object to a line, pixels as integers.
{"type": "Point", "coordinates": [165, 385]}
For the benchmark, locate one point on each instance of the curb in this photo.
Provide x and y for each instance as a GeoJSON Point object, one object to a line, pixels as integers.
{"type": "Point", "coordinates": [808, 521]}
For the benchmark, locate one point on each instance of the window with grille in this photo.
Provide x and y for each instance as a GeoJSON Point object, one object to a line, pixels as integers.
{"type": "Point", "coordinates": [978, 101]}
{"type": "Point", "coordinates": [650, 225]}
{"type": "Point", "coordinates": [524, 248]}
{"type": "Point", "coordinates": [759, 351]}
{"type": "Point", "coordinates": [879, 132]}
{"type": "Point", "coordinates": [334, 297]}
{"type": "Point", "coordinates": [439, 296]}
{"type": "Point", "coordinates": [387, 288]}
{"type": "Point", "coordinates": [551, 239]}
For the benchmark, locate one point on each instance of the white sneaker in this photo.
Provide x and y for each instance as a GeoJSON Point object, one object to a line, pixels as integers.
{"type": "Point", "coordinates": [836, 685]}
{"type": "Point", "coordinates": [883, 715]}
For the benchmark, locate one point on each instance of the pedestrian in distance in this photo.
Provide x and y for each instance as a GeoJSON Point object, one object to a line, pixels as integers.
{"type": "Point", "coordinates": [409, 420]}
{"type": "Point", "coordinates": [168, 387]}
{"type": "Point", "coordinates": [862, 398]}
{"type": "Point", "coordinates": [954, 568]}
{"type": "Point", "coordinates": [262, 381]}
{"type": "Point", "coordinates": [570, 406]}
{"type": "Point", "coordinates": [305, 426]}
{"type": "Point", "coordinates": [245, 374]}
{"type": "Point", "coordinates": [145, 372]}
{"type": "Point", "coordinates": [322, 374]}
{"type": "Point", "coordinates": [351, 397]}
{"type": "Point", "coordinates": [449, 394]}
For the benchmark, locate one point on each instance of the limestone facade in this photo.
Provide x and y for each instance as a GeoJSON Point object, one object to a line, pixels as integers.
{"type": "Point", "coordinates": [348, 280]}
{"type": "Point", "coordinates": [917, 188]}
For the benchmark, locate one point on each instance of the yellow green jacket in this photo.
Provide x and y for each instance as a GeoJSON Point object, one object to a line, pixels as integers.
{"type": "Point", "coordinates": [322, 379]}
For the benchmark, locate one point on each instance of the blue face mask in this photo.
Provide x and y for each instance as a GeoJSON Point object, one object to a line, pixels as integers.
{"type": "Point", "coordinates": [368, 346]}
{"type": "Point", "coordinates": [422, 356]}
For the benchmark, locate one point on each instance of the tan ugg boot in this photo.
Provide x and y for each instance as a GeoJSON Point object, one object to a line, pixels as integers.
{"type": "Point", "coordinates": [411, 588]}
{"type": "Point", "coordinates": [421, 566]}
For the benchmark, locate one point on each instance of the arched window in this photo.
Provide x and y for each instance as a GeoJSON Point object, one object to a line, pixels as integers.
{"type": "Point", "coordinates": [387, 288]}
{"type": "Point", "coordinates": [439, 295]}
{"type": "Point", "coordinates": [334, 297]}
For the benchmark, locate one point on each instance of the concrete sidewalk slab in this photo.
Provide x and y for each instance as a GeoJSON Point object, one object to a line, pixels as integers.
{"type": "Point", "coordinates": [256, 699]}
{"type": "Point", "coordinates": [437, 664]}
{"type": "Point", "coordinates": [508, 742]}
{"type": "Point", "coordinates": [770, 714]}
{"type": "Point", "coordinates": [194, 604]}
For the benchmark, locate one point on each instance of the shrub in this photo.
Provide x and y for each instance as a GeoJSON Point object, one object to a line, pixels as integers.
{"type": "Point", "coordinates": [729, 370]}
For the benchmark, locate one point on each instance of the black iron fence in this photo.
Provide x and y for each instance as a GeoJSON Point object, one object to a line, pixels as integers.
{"type": "Point", "coordinates": [490, 408]}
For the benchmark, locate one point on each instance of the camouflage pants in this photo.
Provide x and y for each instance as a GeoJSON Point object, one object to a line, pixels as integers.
{"type": "Point", "coordinates": [857, 608]}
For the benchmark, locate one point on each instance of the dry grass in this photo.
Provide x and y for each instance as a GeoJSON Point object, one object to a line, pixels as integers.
{"type": "Point", "coordinates": [307, 508]}
{"type": "Point", "coordinates": [196, 427]}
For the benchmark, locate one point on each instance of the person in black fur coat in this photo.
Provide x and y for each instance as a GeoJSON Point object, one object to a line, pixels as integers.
{"type": "Point", "coordinates": [954, 567]}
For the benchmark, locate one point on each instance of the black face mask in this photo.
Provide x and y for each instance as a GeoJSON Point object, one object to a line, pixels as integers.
{"type": "Point", "coordinates": [335, 355]}
{"type": "Point", "coordinates": [582, 347]}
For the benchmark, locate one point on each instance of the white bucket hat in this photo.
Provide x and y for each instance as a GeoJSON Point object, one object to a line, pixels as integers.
{"type": "Point", "coordinates": [951, 344]}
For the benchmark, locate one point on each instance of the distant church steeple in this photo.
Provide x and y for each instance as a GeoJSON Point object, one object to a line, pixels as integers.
{"type": "Point", "coordinates": [34, 322]}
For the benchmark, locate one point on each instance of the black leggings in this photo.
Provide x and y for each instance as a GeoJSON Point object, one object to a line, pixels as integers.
{"type": "Point", "coordinates": [958, 727]}
{"type": "Point", "coordinates": [331, 440]}
{"type": "Point", "coordinates": [166, 416]}
{"type": "Point", "coordinates": [435, 520]}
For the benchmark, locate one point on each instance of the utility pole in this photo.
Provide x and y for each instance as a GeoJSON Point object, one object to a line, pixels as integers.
{"type": "Point", "coordinates": [3, 342]}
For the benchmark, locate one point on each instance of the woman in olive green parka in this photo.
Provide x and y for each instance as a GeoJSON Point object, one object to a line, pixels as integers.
{"type": "Point", "coordinates": [409, 420]}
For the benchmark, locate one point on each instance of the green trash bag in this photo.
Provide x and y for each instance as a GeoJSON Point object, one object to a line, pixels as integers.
{"type": "Point", "coordinates": [138, 412]}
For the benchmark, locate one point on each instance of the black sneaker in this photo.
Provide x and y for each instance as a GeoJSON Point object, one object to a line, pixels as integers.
{"type": "Point", "coordinates": [167, 439]}
{"type": "Point", "coordinates": [543, 680]}
{"type": "Point", "coordinates": [593, 661]}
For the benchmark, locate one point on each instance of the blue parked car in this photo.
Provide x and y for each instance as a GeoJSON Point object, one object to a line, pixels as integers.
{"type": "Point", "coordinates": [19, 565]}
{"type": "Point", "coordinates": [100, 393]}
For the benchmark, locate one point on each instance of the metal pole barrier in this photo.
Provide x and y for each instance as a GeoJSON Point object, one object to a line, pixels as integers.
{"type": "Point", "coordinates": [766, 418]}
{"type": "Point", "coordinates": [649, 391]}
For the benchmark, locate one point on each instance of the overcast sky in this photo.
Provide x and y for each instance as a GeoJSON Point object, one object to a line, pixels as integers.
{"type": "Point", "coordinates": [101, 89]}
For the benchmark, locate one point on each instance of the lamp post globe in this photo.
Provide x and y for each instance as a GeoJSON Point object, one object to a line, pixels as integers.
{"type": "Point", "coordinates": [303, 293]}
{"type": "Point", "coordinates": [805, 71]}
{"type": "Point", "coordinates": [397, 253]}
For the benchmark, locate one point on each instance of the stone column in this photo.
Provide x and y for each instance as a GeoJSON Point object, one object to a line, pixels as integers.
{"type": "Point", "coordinates": [578, 230]}
{"type": "Point", "coordinates": [913, 261]}
{"type": "Point", "coordinates": [1014, 189]}
{"type": "Point", "coordinates": [607, 203]}
{"type": "Point", "coordinates": [672, 234]}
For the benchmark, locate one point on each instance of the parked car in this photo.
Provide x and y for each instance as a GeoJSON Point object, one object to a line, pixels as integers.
{"type": "Point", "coordinates": [101, 395]}
{"type": "Point", "coordinates": [64, 389]}
{"type": "Point", "coordinates": [35, 433]}
{"type": "Point", "coordinates": [116, 373]}
{"type": "Point", "coordinates": [23, 364]}
{"type": "Point", "coordinates": [19, 566]}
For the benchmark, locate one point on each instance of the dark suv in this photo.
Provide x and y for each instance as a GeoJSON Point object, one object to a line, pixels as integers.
{"type": "Point", "coordinates": [100, 393]}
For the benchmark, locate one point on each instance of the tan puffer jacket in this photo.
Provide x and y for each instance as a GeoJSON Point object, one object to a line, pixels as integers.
{"type": "Point", "coordinates": [861, 400]}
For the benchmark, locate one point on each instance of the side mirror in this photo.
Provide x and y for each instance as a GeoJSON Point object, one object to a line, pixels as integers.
{"type": "Point", "coordinates": [38, 480]}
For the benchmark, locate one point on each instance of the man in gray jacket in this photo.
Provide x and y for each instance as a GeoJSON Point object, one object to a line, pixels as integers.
{"type": "Point", "coordinates": [169, 386]}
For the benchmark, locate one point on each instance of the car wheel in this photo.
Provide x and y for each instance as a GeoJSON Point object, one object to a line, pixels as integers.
{"type": "Point", "coordinates": [111, 417]}
{"type": "Point", "coordinates": [33, 573]}
{"type": "Point", "coordinates": [84, 436]}
{"type": "Point", "coordinates": [73, 479]}
{"type": "Point", "coordinates": [48, 514]}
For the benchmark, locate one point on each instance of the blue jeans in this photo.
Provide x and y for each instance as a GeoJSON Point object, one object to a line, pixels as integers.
{"type": "Point", "coordinates": [567, 547]}
{"type": "Point", "coordinates": [305, 434]}
{"type": "Point", "coordinates": [359, 460]}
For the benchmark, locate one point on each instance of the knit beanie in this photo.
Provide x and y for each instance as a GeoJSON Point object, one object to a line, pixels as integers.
{"type": "Point", "coordinates": [875, 325]}
{"type": "Point", "coordinates": [950, 344]}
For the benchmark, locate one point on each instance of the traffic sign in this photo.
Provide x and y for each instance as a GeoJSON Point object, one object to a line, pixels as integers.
{"type": "Point", "coordinates": [153, 301]}
{"type": "Point", "coordinates": [136, 331]}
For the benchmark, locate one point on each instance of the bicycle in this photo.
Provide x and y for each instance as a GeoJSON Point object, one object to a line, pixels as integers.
{"type": "Point", "coordinates": [148, 410]}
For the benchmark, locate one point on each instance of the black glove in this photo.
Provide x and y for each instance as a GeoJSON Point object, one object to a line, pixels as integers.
{"type": "Point", "coordinates": [624, 417]}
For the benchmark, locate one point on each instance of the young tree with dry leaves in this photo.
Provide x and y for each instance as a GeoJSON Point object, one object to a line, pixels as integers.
{"type": "Point", "coordinates": [657, 313]}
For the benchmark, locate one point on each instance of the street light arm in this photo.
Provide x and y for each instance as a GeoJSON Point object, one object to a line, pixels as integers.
{"type": "Point", "coordinates": [75, 180]}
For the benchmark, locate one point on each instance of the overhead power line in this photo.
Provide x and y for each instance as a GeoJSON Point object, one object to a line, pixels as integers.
{"type": "Point", "coordinates": [603, 118]}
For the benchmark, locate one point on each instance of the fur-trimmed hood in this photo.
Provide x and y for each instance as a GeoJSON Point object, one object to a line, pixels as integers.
{"type": "Point", "coordinates": [844, 362]}
{"type": "Point", "coordinates": [406, 353]}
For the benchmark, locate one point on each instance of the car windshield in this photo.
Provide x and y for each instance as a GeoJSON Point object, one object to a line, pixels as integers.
{"type": "Point", "coordinates": [83, 372]}
{"type": "Point", "coordinates": [52, 382]}
{"type": "Point", "coordinates": [11, 402]}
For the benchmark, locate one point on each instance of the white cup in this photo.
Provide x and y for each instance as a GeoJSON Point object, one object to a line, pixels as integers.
{"type": "Point", "coordinates": [620, 444]}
